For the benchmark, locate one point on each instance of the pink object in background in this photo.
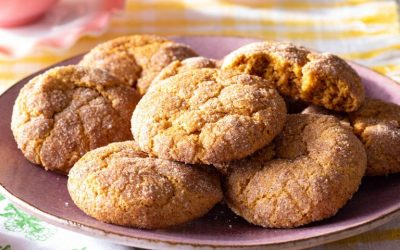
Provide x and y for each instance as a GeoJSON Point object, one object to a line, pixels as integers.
{"type": "Point", "coordinates": [20, 12]}
{"type": "Point", "coordinates": [59, 27]}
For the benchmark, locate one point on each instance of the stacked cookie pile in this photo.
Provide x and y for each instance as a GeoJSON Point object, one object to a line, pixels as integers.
{"type": "Point", "coordinates": [153, 135]}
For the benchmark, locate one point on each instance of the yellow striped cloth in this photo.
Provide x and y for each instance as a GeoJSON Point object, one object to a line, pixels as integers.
{"type": "Point", "coordinates": [366, 31]}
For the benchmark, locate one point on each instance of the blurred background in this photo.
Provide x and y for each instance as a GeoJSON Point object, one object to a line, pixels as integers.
{"type": "Point", "coordinates": [366, 31]}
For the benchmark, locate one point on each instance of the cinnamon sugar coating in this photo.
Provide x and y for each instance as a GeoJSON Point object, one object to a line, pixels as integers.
{"type": "Point", "coordinates": [208, 116]}
{"type": "Point", "coordinates": [63, 113]}
{"type": "Point", "coordinates": [120, 184]}
{"type": "Point", "coordinates": [342, 117]}
{"type": "Point", "coordinates": [178, 66]}
{"type": "Point", "coordinates": [377, 124]}
{"type": "Point", "coordinates": [310, 171]}
{"type": "Point", "coordinates": [322, 79]}
{"type": "Point", "coordinates": [137, 59]}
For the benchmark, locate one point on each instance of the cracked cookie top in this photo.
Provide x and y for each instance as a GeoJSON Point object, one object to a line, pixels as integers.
{"type": "Point", "coordinates": [137, 59]}
{"type": "Point", "coordinates": [322, 79]}
{"type": "Point", "coordinates": [208, 116]}
{"type": "Point", "coordinates": [309, 172]}
{"type": "Point", "coordinates": [66, 111]}
{"type": "Point", "coordinates": [120, 184]}
{"type": "Point", "coordinates": [377, 124]}
{"type": "Point", "coordinates": [187, 64]}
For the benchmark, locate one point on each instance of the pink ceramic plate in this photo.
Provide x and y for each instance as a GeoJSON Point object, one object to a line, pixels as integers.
{"type": "Point", "coordinates": [44, 194]}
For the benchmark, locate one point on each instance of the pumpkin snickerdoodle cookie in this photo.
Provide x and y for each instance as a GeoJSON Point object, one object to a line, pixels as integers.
{"type": "Point", "coordinates": [322, 79]}
{"type": "Point", "coordinates": [208, 116]}
{"type": "Point", "coordinates": [65, 112]}
{"type": "Point", "coordinates": [377, 124]}
{"type": "Point", "coordinates": [309, 172]}
{"type": "Point", "coordinates": [120, 184]}
{"type": "Point", "coordinates": [137, 59]}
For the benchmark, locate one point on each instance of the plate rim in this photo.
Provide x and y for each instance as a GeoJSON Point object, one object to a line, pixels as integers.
{"type": "Point", "coordinates": [166, 244]}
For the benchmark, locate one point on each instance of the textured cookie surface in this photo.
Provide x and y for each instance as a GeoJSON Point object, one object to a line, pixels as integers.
{"type": "Point", "coordinates": [208, 116]}
{"type": "Point", "coordinates": [136, 59]}
{"type": "Point", "coordinates": [67, 111]}
{"type": "Point", "coordinates": [310, 171]}
{"type": "Point", "coordinates": [377, 124]}
{"type": "Point", "coordinates": [341, 116]}
{"type": "Point", "coordinates": [322, 79]}
{"type": "Point", "coordinates": [178, 66]}
{"type": "Point", "coordinates": [120, 184]}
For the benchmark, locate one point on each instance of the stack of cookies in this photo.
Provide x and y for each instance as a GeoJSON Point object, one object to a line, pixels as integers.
{"type": "Point", "coordinates": [153, 135]}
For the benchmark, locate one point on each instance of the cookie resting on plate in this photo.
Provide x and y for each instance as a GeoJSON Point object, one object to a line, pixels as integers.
{"type": "Point", "coordinates": [120, 184]}
{"type": "Point", "coordinates": [65, 112]}
{"type": "Point", "coordinates": [208, 116]}
{"type": "Point", "coordinates": [307, 174]}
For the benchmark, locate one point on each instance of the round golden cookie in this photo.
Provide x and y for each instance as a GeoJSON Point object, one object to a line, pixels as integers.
{"type": "Point", "coordinates": [120, 184]}
{"type": "Point", "coordinates": [208, 116]}
{"type": "Point", "coordinates": [316, 168]}
{"type": "Point", "coordinates": [377, 124]}
{"type": "Point", "coordinates": [63, 113]}
{"type": "Point", "coordinates": [136, 59]}
{"type": "Point", "coordinates": [322, 79]}
{"type": "Point", "coordinates": [187, 64]}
